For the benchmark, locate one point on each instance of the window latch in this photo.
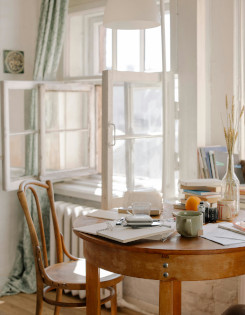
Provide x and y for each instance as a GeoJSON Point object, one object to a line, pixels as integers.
{"type": "Point", "coordinates": [113, 134]}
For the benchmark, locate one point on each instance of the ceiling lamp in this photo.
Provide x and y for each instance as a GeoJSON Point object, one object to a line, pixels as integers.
{"type": "Point", "coordinates": [131, 14]}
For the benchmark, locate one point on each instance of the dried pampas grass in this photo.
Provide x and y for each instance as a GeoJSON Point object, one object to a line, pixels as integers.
{"type": "Point", "coordinates": [231, 128]}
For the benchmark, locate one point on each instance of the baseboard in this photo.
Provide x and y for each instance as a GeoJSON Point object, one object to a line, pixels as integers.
{"type": "Point", "coordinates": [146, 308]}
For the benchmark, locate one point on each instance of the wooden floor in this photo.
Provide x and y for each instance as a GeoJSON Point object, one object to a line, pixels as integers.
{"type": "Point", "coordinates": [24, 304]}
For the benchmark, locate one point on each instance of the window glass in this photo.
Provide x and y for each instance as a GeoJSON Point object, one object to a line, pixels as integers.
{"type": "Point", "coordinates": [148, 162]}
{"type": "Point", "coordinates": [119, 109]}
{"type": "Point", "coordinates": [19, 145]}
{"type": "Point", "coordinates": [153, 49]}
{"type": "Point", "coordinates": [108, 55]}
{"type": "Point", "coordinates": [128, 50]}
{"type": "Point", "coordinates": [147, 109]}
{"type": "Point", "coordinates": [119, 167]}
{"type": "Point", "coordinates": [66, 150]}
{"type": "Point", "coordinates": [20, 102]}
{"type": "Point", "coordinates": [66, 110]}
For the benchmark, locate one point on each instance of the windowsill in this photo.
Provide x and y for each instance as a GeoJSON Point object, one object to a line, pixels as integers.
{"type": "Point", "coordinates": [88, 188]}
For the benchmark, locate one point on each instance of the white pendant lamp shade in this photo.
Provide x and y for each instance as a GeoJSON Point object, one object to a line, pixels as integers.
{"type": "Point", "coordinates": [131, 14]}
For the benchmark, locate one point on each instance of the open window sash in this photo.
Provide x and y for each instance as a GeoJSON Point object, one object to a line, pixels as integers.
{"type": "Point", "coordinates": [48, 131]}
{"type": "Point", "coordinates": [132, 134]}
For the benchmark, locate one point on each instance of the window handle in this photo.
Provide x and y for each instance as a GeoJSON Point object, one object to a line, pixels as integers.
{"type": "Point", "coordinates": [113, 134]}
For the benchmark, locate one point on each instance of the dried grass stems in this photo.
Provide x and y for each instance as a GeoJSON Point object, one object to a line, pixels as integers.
{"type": "Point", "coordinates": [231, 128]}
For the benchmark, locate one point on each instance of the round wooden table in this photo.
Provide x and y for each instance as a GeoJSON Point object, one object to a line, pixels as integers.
{"type": "Point", "coordinates": [175, 260]}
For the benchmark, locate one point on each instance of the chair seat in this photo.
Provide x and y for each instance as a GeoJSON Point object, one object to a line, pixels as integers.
{"type": "Point", "coordinates": [73, 273]}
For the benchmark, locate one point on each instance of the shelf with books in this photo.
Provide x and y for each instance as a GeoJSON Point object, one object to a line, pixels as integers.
{"type": "Point", "coordinates": [212, 162]}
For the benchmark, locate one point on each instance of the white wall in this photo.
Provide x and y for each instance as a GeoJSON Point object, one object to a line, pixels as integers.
{"type": "Point", "coordinates": [221, 63]}
{"type": "Point", "coordinates": [18, 31]}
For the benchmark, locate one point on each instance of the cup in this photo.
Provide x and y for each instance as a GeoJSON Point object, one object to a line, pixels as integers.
{"type": "Point", "coordinates": [189, 223]}
{"type": "Point", "coordinates": [226, 209]}
{"type": "Point", "coordinates": [141, 208]}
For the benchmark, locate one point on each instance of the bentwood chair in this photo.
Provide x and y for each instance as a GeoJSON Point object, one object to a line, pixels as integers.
{"type": "Point", "coordinates": [62, 275]}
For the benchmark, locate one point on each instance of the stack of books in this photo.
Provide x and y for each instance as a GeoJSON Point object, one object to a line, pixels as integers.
{"type": "Point", "coordinates": [242, 197]}
{"type": "Point", "coordinates": [206, 189]}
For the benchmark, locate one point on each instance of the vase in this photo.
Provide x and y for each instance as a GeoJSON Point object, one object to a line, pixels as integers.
{"type": "Point", "coordinates": [229, 205]}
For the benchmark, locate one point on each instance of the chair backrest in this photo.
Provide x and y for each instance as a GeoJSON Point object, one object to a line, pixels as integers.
{"type": "Point", "coordinates": [37, 189]}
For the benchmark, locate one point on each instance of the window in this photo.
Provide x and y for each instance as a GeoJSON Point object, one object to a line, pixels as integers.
{"type": "Point", "coordinates": [48, 131]}
{"type": "Point", "coordinates": [132, 128]}
{"type": "Point", "coordinates": [65, 136]}
{"type": "Point", "coordinates": [90, 48]}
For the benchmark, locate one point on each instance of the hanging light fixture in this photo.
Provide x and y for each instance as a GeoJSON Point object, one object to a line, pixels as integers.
{"type": "Point", "coordinates": [131, 14]}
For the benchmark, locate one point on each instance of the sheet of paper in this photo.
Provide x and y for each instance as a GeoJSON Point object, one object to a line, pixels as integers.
{"type": "Point", "coordinates": [213, 233]}
{"type": "Point", "coordinates": [105, 214]}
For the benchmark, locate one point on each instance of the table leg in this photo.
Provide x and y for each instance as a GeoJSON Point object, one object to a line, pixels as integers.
{"type": "Point", "coordinates": [170, 298]}
{"type": "Point", "coordinates": [92, 289]}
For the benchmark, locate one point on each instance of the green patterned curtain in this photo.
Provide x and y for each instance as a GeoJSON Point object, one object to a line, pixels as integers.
{"type": "Point", "coordinates": [48, 52]}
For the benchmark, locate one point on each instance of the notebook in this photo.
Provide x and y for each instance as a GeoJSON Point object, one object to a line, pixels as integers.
{"type": "Point", "coordinates": [124, 234]}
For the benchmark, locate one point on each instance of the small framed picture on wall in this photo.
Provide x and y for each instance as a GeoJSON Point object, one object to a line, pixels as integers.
{"type": "Point", "coordinates": [13, 61]}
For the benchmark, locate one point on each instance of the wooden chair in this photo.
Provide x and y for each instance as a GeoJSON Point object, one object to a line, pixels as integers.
{"type": "Point", "coordinates": [63, 275]}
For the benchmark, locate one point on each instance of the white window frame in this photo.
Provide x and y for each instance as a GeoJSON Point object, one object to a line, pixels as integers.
{"type": "Point", "coordinates": [6, 134]}
{"type": "Point", "coordinates": [108, 137]}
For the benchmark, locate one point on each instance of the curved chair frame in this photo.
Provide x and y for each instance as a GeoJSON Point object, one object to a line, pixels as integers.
{"type": "Point", "coordinates": [45, 281]}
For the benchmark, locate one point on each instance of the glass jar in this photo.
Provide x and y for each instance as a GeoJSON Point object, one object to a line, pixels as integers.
{"type": "Point", "coordinates": [229, 205]}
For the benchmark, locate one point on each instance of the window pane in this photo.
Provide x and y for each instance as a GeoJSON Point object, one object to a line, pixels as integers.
{"type": "Point", "coordinates": [66, 110]}
{"type": "Point", "coordinates": [20, 146]}
{"type": "Point", "coordinates": [66, 150]}
{"type": "Point", "coordinates": [147, 109]}
{"type": "Point", "coordinates": [20, 104]}
{"type": "Point", "coordinates": [108, 53]}
{"type": "Point", "coordinates": [118, 109]}
{"type": "Point", "coordinates": [148, 162]}
{"type": "Point", "coordinates": [119, 168]}
{"type": "Point", "coordinates": [153, 49]}
{"type": "Point", "coordinates": [128, 50]}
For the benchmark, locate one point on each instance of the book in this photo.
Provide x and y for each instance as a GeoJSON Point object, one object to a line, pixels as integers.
{"type": "Point", "coordinates": [200, 163]}
{"type": "Point", "coordinates": [179, 206]}
{"type": "Point", "coordinates": [213, 164]}
{"type": "Point", "coordinates": [124, 234]}
{"type": "Point", "coordinates": [206, 158]}
{"type": "Point", "coordinates": [242, 189]}
{"type": "Point", "coordinates": [201, 192]}
{"type": "Point", "coordinates": [205, 167]}
{"type": "Point", "coordinates": [210, 199]}
{"type": "Point", "coordinates": [206, 184]}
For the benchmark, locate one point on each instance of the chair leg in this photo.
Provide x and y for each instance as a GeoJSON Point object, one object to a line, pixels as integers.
{"type": "Point", "coordinates": [39, 301]}
{"type": "Point", "coordinates": [114, 302]}
{"type": "Point", "coordinates": [58, 299]}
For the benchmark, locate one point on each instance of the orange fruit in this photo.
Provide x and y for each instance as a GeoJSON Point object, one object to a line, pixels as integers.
{"type": "Point", "coordinates": [192, 203]}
